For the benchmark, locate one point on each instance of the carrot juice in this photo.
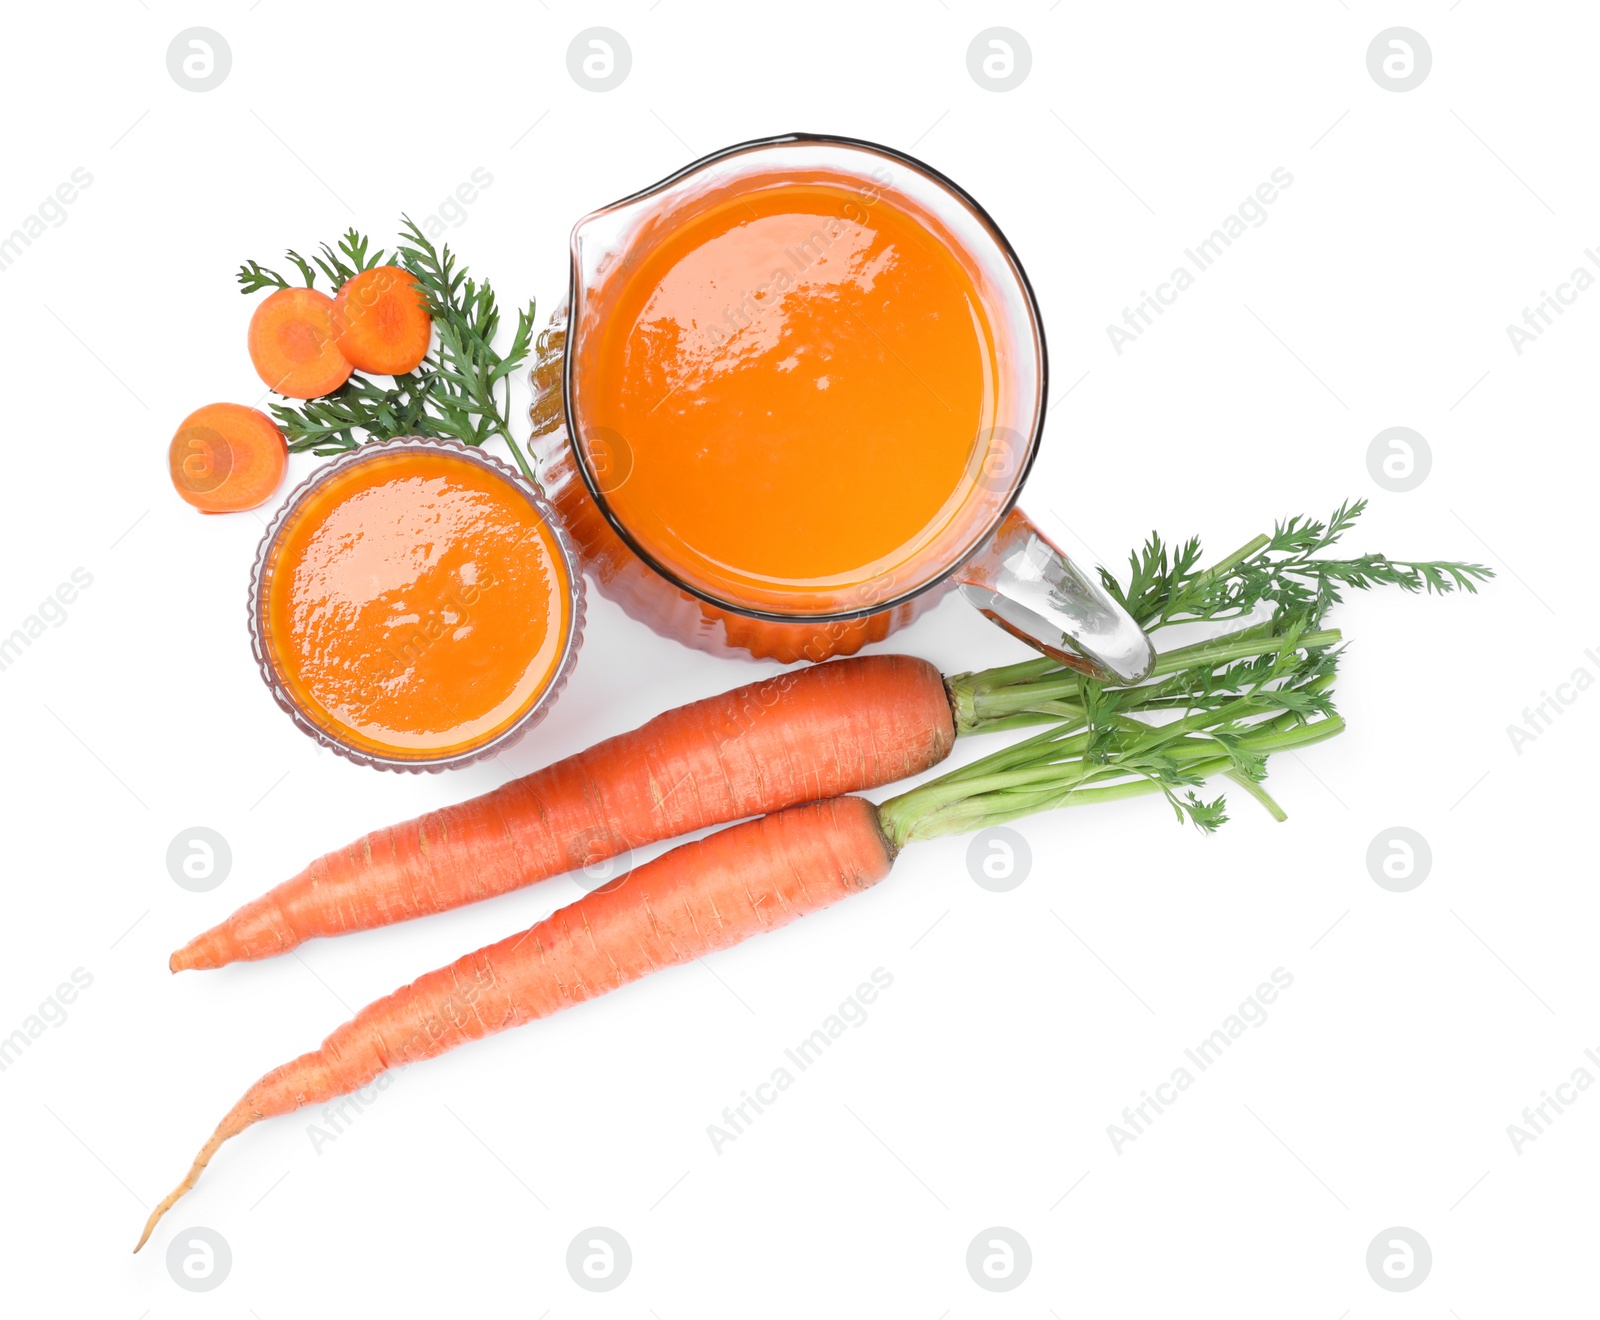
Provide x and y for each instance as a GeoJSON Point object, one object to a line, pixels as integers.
{"type": "Point", "coordinates": [788, 394]}
{"type": "Point", "coordinates": [416, 604]}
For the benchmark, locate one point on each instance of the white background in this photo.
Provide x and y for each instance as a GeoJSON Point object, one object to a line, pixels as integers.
{"type": "Point", "coordinates": [1018, 1025]}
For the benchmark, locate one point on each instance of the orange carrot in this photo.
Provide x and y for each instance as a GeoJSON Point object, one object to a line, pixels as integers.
{"type": "Point", "coordinates": [381, 321]}
{"type": "Point", "coordinates": [226, 457]}
{"type": "Point", "coordinates": [753, 877]}
{"type": "Point", "coordinates": [814, 733]}
{"type": "Point", "coordinates": [292, 344]}
{"type": "Point", "coordinates": [1218, 707]}
{"type": "Point", "coordinates": [748, 878]}
{"type": "Point", "coordinates": [687, 903]}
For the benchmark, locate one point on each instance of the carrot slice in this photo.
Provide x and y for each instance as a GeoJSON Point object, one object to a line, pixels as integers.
{"type": "Point", "coordinates": [380, 319]}
{"type": "Point", "coordinates": [226, 457]}
{"type": "Point", "coordinates": [292, 344]}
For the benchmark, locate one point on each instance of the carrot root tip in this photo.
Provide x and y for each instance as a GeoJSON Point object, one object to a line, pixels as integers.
{"type": "Point", "coordinates": [239, 1118]}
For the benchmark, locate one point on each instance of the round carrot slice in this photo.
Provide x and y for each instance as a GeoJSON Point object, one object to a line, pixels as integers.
{"type": "Point", "coordinates": [226, 457]}
{"type": "Point", "coordinates": [292, 344]}
{"type": "Point", "coordinates": [380, 319]}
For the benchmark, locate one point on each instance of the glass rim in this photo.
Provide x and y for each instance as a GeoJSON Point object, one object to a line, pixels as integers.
{"type": "Point", "coordinates": [271, 673]}
{"type": "Point", "coordinates": [1034, 439]}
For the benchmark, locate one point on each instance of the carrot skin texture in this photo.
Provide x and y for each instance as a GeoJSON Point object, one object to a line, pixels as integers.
{"type": "Point", "coordinates": [802, 736]}
{"type": "Point", "coordinates": [689, 902]}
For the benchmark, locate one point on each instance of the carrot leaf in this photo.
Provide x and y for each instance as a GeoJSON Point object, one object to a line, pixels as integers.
{"type": "Point", "coordinates": [1284, 571]}
{"type": "Point", "coordinates": [462, 389]}
{"type": "Point", "coordinates": [254, 277]}
{"type": "Point", "coordinates": [300, 264]}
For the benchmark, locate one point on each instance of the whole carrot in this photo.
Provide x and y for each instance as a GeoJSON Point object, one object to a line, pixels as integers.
{"type": "Point", "coordinates": [1220, 707]}
{"type": "Point", "coordinates": [761, 874]}
{"type": "Point", "coordinates": [814, 733]}
{"type": "Point", "coordinates": [689, 902]}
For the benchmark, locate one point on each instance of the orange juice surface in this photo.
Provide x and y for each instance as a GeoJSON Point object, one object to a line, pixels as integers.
{"type": "Point", "coordinates": [417, 604]}
{"type": "Point", "coordinates": [785, 393]}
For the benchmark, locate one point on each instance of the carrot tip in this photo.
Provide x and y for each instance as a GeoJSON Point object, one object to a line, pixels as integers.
{"type": "Point", "coordinates": [239, 1118]}
{"type": "Point", "coordinates": [155, 1215]}
{"type": "Point", "coordinates": [199, 954]}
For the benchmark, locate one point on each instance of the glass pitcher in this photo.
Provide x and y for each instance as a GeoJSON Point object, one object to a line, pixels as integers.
{"type": "Point", "coordinates": [986, 547]}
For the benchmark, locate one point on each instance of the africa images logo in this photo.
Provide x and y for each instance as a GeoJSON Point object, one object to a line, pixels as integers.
{"type": "Point", "coordinates": [1251, 213]}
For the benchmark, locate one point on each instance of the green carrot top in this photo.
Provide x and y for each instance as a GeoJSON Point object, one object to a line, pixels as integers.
{"type": "Point", "coordinates": [1220, 706]}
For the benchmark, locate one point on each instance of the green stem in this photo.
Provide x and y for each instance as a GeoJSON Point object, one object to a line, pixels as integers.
{"type": "Point", "coordinates": [986, 679]}
{"type": "Point", "coordinates": [522, 462]}
{"type": "Point", "coordinates": [965, 816]}
{"type": "Point", "coordinates": [1229, 562]}
{"type": "Point", "coordinates": [1254, 789]}
{"type": "Point", "coordinates": [1049, 771]}
{"type": "Point", "coordinates": [991, 699]}
{"type": "Point", "coordinates": [1223, 650]}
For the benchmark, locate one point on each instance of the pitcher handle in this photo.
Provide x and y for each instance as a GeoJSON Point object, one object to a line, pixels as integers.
{"type": "Point", "coordinates": [1022, 581]}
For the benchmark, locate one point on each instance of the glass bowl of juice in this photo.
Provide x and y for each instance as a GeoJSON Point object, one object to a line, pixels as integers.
{"type": "Point", "coordinates": [792, 400]}
{"type": "Point", "coordinates": [416, 605]}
